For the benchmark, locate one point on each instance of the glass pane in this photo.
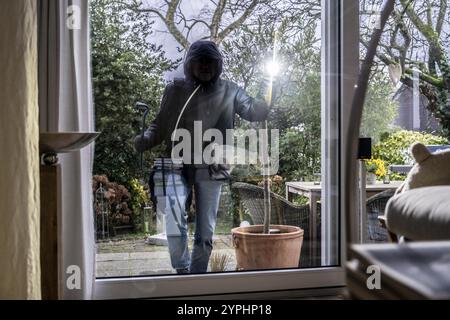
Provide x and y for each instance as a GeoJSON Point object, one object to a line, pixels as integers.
{"type": "Point", "coordinates": [213, 185]}
{"type": "Point", "coordinates": [406, 100]}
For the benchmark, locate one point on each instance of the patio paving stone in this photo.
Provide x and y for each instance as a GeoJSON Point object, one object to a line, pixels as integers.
{"type": "Point", "coordinates": [133, 257]}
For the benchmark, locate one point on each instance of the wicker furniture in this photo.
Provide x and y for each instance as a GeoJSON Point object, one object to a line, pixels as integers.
{"type": "Point", "coordinates": [375, 207]}
{"type": "Point", "coordinates": [314, 192]}
{"type": "Point", "coordinates": [282, 212]}
{"type": "Point", "coordinates": [311, 191]}
{"type": "Point", "coordinates": [287, 213]}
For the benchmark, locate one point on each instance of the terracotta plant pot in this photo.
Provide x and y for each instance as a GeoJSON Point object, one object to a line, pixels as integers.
{"type": "Point", "coordinates": [255, 250]}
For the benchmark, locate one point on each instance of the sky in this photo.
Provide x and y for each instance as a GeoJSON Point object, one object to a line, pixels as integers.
{"type": "Point", "coordinates": [170, 45]}
{"type": "Point", "coordinates": [192, 9]}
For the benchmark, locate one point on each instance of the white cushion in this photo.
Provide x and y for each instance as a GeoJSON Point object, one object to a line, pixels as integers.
{"type": "Point", "coordinates": [420, 214]}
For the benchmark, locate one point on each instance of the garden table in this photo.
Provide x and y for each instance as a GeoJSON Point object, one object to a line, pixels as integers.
{"type": "Point", "coordinates": [314, 191]}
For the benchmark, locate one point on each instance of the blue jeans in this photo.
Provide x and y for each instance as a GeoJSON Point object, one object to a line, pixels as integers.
{"type": "Point", "coordinates": [207, 196]}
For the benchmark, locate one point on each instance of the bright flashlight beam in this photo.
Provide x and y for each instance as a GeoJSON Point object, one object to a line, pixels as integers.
{"type": "Point", "coordinates": [273, 68]}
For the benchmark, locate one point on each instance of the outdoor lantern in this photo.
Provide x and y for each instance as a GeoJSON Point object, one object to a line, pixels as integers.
{"type": "Point", "coordinates": [101, 212]}
{"type": "Point", "coordinates": [147, 218]}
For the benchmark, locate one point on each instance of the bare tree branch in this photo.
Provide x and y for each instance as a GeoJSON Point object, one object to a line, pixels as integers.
{"type": "Point", "coordinates": [437, 82]}
{"type": "Point", "coordinates": [433, 39]}
{"type": "Point", "coordinates": [441, 16]}
{"type": "Point", "coordinates": [168, 18]}
{"type": "Point", "coordinates": [216, 19]}
{"type": "Point", "coordinates": [429, 11]}
{"type": "Point", "coordinates": [169, 21]}
{"type": "Point", "coordinates": [401, 48]}
{"type": "Point", "coordinates": [233, 26]}
{"type": "Point", "coordinates": [157, 12]}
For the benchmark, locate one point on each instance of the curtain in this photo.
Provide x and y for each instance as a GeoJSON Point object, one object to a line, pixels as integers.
{"type": "Point", "coordinates": [19, 152]}
{"type": "Point", "coordinates": [66, 104]}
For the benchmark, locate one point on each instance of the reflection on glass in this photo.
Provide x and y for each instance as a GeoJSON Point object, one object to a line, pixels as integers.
{"type": "Point", "coordinates": [265, 67]}
{"type": "Point", "coordinates": [403, 98]}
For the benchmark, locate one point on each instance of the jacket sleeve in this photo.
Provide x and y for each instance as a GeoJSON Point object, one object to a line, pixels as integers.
{"type": "Point", "coordinates": [250, 108]}
{"type": "Point", "coordinates": [155, 133]}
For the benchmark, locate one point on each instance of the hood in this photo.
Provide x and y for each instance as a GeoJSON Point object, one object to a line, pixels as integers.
{"type": "Point", "coordinates": [199, 49]}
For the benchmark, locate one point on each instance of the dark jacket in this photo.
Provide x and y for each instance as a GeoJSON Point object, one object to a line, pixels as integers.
{"type": "Point", "coordinates": [215, 104]}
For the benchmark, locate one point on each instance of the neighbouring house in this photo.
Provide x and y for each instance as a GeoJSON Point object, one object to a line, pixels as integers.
{"type": "Point", "coordinates": [412, 111]}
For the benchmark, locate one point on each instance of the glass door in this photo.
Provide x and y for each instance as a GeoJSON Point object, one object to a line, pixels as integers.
{"type": "Point", "coordinates": [298, 59]}
{"type": "Point", "coordinates": [406, 98]}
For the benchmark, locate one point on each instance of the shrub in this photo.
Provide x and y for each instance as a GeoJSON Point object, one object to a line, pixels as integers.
{"type": "Point", "coordinates": [299, 154]}
{"type": "Point", "coordinates": [394, 148]}
{"type": "Point", "coordinates": [116, 197]}
{"type": "Point", "coordinates": [126, 68]}
{"type": "Point", "coordinates": [139, 198]}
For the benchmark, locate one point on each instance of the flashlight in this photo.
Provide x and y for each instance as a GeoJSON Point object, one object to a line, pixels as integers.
{"type": "Point", "coordinates": [272, 68]}
{"type": "Point", "coordinates": [145, 108]}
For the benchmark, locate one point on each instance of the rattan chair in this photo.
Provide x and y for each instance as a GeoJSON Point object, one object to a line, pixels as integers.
{"type": "Point", "coordinates": [375, 206]}
{"type": "Point", "coordinates": [282, 212]}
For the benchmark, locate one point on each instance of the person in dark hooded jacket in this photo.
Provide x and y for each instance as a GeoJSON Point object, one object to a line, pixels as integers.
{"type": "Point", "coordinates": [214, 103]}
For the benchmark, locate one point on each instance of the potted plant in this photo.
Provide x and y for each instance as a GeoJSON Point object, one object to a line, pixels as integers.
{"type": "Point", "coordinates": [375, 169]}
{"type": "Point", "coordinates": [266, 246]}
{"type": "Point", "coordinates": [279, 248]}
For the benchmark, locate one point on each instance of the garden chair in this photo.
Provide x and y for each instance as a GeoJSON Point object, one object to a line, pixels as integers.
{"type": "Point", "coordinates": [282, 212]}
{"type": "Point", "coordinates": [375, 207]}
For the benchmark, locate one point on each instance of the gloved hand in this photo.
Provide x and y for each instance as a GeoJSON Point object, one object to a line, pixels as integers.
{"type": "Point", "coordinates": [265, 85]}
{"type": "Point", "coordinates": [142, 144]}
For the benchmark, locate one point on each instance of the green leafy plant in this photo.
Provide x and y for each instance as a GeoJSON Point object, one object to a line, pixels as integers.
{"type": "Point", "coordinates": [380, 110]}
{"type": "Point", "coordinates": [393, 148]}
{"type": "Point", "coordinates": [299, 153]}
{"type": "Point", "coordinates": [126, 68]}
{"type": "Point", "coordinates": [139, 198]}
{"type": "Point", "coordinates": [376, 166]}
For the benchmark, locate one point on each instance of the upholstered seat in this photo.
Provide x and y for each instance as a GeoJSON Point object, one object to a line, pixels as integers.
{"type": "Point", "coordinates": [283, 212]}
{"type": "Point", "coordinates": [420, 214]}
